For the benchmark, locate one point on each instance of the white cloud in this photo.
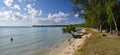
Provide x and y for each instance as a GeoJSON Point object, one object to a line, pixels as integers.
{"type": "Point", "coordinates": [29, 14]}
{"type": "Point", "coordinates": [5, 15]}
{"type": "Point", "coordinates": [11, 15]}
{"type": "Point", "coordinates": [40, 13]}
{"type": "Point", "coordinates": [8, 2]}
{"type": "Point", "coordinates": [29, 6]}
{"type": "Point", "coordinates": [33, 13]}
{"type": "Point", "coordinates": [59, 15]}
{"type": "Point", "coordinates": [17, 7]}
{"type": "Point", "coordinates": [14, 18]}
{"type": "Point", "coordinates": [57, 18]}
{"type": "Point", "coordinates": [32, 16]}
{"type": "Point", "coordinates": [76, 15]}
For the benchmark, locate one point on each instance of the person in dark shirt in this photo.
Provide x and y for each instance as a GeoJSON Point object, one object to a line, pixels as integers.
{"type": "Point", "coordinates": [11, 39]}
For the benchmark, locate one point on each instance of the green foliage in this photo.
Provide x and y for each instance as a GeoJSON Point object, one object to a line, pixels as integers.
{"type": "Point", "coordinates": [98, 12]}
{"type": "Point", "coordinates": [69, 29]}
{"type": "Point", "coordinates": [108, 6]}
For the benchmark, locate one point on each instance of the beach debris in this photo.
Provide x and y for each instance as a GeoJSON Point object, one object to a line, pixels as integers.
{"type": "Point", "coordinates": [104, 35]}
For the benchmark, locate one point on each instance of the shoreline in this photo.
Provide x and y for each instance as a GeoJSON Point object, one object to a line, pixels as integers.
{"type": "Point", "coordinates": [51, 48]}
{"type": "Point", "coordinates": [68, 47]}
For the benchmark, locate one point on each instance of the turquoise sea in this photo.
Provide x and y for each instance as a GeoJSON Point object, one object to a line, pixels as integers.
{"type": "Point", "coordinates": [29, 40]}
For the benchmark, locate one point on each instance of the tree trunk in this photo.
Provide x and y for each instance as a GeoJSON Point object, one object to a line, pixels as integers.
{"type": "Point", "coordinates": [100, 28]}
{"type": "Point", "coordinates": [72, 34]}
{"type": "Point", "coordinates": [115, 23]}
{"type": "Point", "coordinates": [110, 29]}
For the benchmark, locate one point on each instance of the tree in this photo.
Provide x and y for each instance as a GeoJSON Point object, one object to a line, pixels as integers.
{"type": "Point", "coordinates": [109, 8]}
{"type": "Point", "coordinates": [97, 12]}
{"type": "Point", "coordinates": [69, 29]}
{"type": "Point", "coordinates": [93, 11]}
{"type": "Point", "coordinates": [117, 14]}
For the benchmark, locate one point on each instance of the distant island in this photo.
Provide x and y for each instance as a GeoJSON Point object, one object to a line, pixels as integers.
{"type": "Point", "coordinates": [49, 25]}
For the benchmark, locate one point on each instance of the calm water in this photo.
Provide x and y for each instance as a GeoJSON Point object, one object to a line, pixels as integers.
{"type": "Point", "coordinates": [29, 40]}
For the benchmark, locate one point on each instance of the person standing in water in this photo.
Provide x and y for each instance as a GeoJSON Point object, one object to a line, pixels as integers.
{"type": "Point", "coordinates": [11, 39]}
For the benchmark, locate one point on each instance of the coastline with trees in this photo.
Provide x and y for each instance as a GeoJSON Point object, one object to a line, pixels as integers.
{"type": "Point", "coordinates": [99, 14]}
{"type": "Point", "coordinates": [102, 19]}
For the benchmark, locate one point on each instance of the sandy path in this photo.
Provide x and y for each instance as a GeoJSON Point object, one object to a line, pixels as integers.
{"type": "Point", "coordinates": [68, 48]}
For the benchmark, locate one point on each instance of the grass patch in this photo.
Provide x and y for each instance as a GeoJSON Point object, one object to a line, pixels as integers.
{"type": "Point", "coordinates": [100, 45]}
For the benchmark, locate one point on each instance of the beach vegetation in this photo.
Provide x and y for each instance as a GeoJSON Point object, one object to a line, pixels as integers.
{"type": "Point", "coordinates": [100, 45]}
{"type": "Point", "coordinates": [99, 14]}
{"type": "Point", "coordinates": [69, 29]}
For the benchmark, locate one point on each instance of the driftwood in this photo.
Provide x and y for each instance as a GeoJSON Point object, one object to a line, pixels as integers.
{"type": "Point", "coordinates": [104, 35]}
{"type": "Point", "coordinates": [77, 36]}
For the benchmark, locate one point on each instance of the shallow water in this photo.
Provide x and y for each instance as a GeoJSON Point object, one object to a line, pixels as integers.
{"type": "Point", "coordinates": [29, 40]}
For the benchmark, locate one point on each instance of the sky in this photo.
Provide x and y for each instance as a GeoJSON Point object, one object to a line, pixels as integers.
{"type": "Point", "coordinates": [37, 12]}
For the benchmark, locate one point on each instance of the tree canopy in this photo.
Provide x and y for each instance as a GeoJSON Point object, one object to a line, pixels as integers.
{"type": "Point", "coordinates": [102, 13]}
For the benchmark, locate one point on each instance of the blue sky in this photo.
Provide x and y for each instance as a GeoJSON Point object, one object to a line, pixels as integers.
{"type": "Point", "coordinates": [37, 12]}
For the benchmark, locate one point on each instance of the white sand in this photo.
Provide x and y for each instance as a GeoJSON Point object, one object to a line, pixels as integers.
{"type": "Point", "coordinates": [68, 49]}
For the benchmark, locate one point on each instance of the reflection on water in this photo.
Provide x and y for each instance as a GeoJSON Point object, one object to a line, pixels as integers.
{"type": "Point", "coordinates": [29, 40]}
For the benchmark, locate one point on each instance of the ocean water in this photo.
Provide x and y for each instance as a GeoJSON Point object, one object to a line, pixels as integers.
{"type": "Point", "coordinates": [29, 40]}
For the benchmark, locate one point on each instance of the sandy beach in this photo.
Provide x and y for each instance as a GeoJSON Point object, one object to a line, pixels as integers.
{"type": "Point", "coordinates": [68, 47]}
